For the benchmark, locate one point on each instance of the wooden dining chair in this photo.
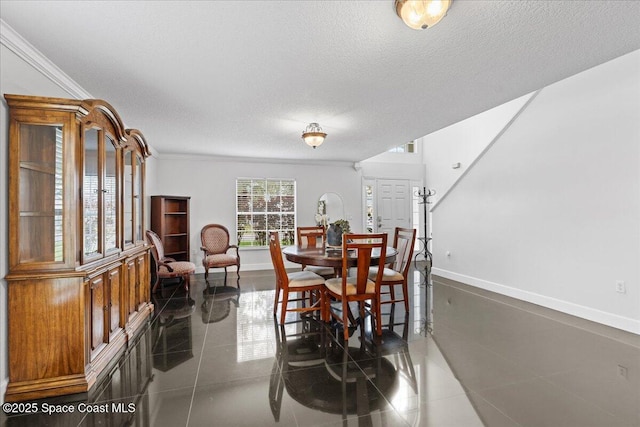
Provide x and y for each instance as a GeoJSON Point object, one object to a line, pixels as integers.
{"type": "Point", "coordinates": [296, 282]}
{"type": "Point", "coordinates": [397, 273]}
{"type": "Point", "coordinates": [314, 237]}
{"type": "Point", "coordinates": [357, 287]}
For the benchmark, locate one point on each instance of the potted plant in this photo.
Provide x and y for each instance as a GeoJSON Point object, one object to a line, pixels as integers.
{"type": "Point", "coordinates": [336, 230]}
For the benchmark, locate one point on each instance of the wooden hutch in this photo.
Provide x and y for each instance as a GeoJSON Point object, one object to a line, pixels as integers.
{"type": "Point", "coordinates": [78, 282]}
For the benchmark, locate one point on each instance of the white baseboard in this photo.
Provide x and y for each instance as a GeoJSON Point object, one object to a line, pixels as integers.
{"type": "Point", "coordinates": [589, 313]}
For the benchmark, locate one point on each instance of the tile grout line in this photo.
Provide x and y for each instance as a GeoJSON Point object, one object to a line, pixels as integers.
{"type": "Point", "coordinates": [195, 383]}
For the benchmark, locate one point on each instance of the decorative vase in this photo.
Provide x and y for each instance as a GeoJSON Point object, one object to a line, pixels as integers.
{"type": "Point", "coordinates": [334, 235]}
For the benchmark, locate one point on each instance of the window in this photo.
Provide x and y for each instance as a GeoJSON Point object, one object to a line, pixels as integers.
{"type": "Point", "coordinates": [264, 205]}
{"type": "Point", "coordinates": [368, 204]}
{"type": "Point", "coordinates": [409, 147]}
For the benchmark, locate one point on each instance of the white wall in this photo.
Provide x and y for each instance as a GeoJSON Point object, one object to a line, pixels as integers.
{"type": "Point", "coordinates": [551, 212]}
{"type": "Point", "coordinates": [210, 182]}
{"type": "Point", "coordinates": [462, 143]}
{"type": "Point", "coordinates": [395, 165]}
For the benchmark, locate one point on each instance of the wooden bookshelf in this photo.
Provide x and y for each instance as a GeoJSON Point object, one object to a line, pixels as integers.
{"type": "Point", "coordinates": [170, 221]}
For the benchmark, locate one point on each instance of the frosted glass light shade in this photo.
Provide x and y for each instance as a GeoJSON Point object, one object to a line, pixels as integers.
{"type": "Point", "coordinates": [313, 135]}
{"type": "Point", "coordinates": [421, 14]}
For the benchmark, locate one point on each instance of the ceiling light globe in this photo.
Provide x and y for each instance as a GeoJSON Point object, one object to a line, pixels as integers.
{"type": "Point", "coordinates": [313, 135]}
{"type": "Point", "coordinates": [421, 14]}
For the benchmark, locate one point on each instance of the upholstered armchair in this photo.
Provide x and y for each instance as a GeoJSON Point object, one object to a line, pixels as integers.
{"type": "Point", "coordinates": [215, 245]}
{"type": "Point", "coordinates": [165, 267]}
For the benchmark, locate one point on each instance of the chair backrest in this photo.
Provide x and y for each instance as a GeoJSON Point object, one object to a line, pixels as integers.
{"type": "Point", "coordinates": [157, 249]}
{"type": "Point", "coordinates": [362, 246]}
{"type": "Point", "coordinates": [311, 236]}
{"type": "Point", "coordinates": [276, 259]}
{"type": "Point", "coordinates": [215, 238]}
{"type": "Point", "coordinates": [403, 242]}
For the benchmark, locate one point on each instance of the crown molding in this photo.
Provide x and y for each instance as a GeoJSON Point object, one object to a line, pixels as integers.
{"type": "Point", "coordinates": [238, 159]}
{"type": "Point", "coordinates": [26, 51]}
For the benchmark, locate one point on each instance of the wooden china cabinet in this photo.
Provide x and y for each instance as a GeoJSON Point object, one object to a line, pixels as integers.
{"type": "Point", "coordinates": [78, 282]}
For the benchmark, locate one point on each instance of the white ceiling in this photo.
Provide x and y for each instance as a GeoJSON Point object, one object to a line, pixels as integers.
{"type": "Point", "coordinates": [244, 78]}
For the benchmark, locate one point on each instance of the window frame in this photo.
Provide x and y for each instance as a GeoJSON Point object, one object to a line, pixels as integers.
{"type": "Point", "coordinates": [265, 187]}
{"type": "Point", "coordinates": [410, 148]}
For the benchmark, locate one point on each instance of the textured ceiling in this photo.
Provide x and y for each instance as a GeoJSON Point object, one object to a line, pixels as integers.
{"type": "Point", "coordinates": [244, 78]}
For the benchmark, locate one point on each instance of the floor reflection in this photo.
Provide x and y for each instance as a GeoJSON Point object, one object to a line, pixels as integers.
{"type": "Point", "coordinates": [215, 356]}
{"type": "Point", "coordinates": [172, 336]}
{"type": "Point", "coordinates": [318, 372]}
{"type": "Point", "coordinates": [217, 300]}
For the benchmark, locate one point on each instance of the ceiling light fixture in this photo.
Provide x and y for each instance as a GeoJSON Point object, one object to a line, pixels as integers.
{"type": "Point", "coordinates": [313, 135]}
{"type": "Point", "coordinates": [421, 14]}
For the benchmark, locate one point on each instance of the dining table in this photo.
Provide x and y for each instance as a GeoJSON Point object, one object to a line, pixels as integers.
{"type": "Point", "coordinates": [327, 256]}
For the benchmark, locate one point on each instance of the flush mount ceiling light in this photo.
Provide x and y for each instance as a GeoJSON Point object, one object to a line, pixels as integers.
{"type": "Point", "coordinates": [313, 135]}
{"type": "Point", "coordinates": [421, 14]}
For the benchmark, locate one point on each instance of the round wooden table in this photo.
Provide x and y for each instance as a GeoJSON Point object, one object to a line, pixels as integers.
{"type": "Point", "coordinates": [331, 257]}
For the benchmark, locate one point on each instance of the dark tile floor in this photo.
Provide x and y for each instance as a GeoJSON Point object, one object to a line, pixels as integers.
{"type": "Point", "coordinates": [216, 358]}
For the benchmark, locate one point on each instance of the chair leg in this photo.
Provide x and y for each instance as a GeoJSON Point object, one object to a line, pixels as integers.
{"type": "Point", "coordinates": [324, 312]}
{"type": "Point", "coordinates": [225, 276]}
{"type": "Point", "coordinates": [283, 309]}
{"type": "Point", "coordinates": [378, 320]}
{"type": "Point", "coordinates": [345, 319]}
{"type": "Point", "coordinates": [361, 307]}
{"type": "Point", "coordinates": [206, 274]}
{"type": "Point", "coordinates": [405, 295]}
{"type": "Point", "coordinates": [275, 303]}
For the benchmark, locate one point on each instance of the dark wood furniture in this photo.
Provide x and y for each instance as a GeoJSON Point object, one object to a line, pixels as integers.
{"type": "Point", "coordinates": [170, 221]}
{"type": "Point", "coordinates": [291, 283]}
{"type": "Point", "coordinates": [356, 287]}
{"type": "Point", "coordinates": [314, 236]}
{"type": "Point", "coordinates": [329, 257]}
{"type": "Point", "coordinates": [78, 282]}
{"type": "Point", "coordinates": [397, 272]}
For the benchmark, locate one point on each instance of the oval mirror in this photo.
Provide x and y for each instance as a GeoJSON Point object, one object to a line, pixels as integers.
{"type": "Point", "coordinates": [330, 204]}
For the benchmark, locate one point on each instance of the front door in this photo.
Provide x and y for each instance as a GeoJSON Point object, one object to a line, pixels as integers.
{"type": "Point", "coordinates": [393, 206]}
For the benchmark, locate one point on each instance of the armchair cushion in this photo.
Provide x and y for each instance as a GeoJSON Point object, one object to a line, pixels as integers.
{"type": "Point", "coordinates": [177, 268]}
{"type": "Point", "coordinates": [220, 260]}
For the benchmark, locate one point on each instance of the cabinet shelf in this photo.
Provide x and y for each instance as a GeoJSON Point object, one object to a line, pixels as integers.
{"type": "Point", "coordinates": [29, 214]}
{"type": "Point", "coordinates": [48, 168]}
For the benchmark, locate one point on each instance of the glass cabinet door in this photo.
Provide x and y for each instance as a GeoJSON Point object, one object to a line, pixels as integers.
{"type": "Point", "coordinates": [100, 194]}
{"type": "Point", "coordinates": [91, 193]}
{"type": "Point", "coordinates": [110, 186]}
{"type": "Point", "coordinates": [41, 208]}
{"type": "Point", "coordinates": [128, 197]}
{"type": "Point", "coordinates": [138, 200]}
